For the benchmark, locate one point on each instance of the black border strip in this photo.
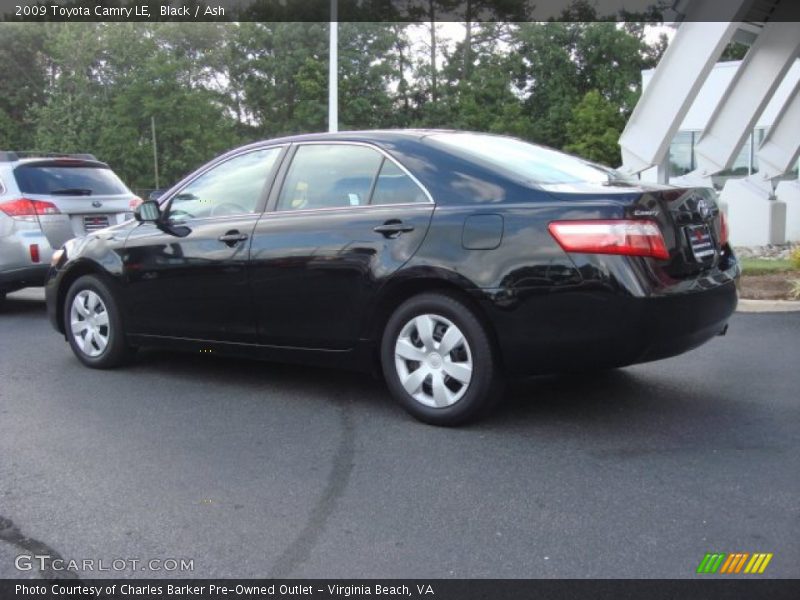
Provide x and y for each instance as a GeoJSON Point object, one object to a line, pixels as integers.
{"type": "Point", "coordinates": [717, 588]}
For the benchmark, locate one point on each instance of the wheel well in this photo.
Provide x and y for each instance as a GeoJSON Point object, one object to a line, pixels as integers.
{"type": "Point", "coordinates": [74, 273]}
{"type": "Point", "coordinates": [398, 293]}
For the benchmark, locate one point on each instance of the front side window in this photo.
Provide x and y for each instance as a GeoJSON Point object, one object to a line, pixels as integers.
{"type": "Point", "coordinates": [231, 188]}
{"type": "Point", "coordinates": [329, 176]}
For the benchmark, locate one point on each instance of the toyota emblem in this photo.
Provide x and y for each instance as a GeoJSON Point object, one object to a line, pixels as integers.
{"type": "Point", "coordinates": [97, 204]}
{"type": "Point", "coordinates": [704, 208]}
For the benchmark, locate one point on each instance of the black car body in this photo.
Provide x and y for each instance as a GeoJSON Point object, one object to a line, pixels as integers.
{"type": "Point", "coordinates": [303, 275]}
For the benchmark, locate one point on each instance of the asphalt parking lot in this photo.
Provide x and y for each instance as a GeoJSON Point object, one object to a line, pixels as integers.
{"type": "Point", "coordinates": [263, 470]}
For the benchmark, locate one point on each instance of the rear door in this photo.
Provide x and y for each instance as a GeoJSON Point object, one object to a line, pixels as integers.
{"type": "Point", "coordinates": [345, 218]}
{"type": "Point", "coordinates": [88, 192]}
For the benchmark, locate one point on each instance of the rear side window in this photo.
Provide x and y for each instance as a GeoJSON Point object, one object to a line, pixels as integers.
{"type": "Point", "coordinates": [329, 176]}
{"type": "Point", "coordinates": [68, 180]}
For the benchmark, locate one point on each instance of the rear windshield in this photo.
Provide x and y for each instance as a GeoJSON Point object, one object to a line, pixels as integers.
{"type": "Point", "coordinates": [68, 180]}
{"type": "Point", "coordinates": [532, 163]}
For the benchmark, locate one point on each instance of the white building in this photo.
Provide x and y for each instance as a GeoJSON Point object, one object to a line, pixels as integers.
{"type": "Point", "coordinates": [682, 159]}
{"type": "Point", "coordinates": [733, 126]}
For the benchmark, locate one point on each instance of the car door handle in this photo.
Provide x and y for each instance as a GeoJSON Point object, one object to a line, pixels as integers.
{"type": "Point", "coordinates": [393, 228]}
{"type": "Point", "coordinates": [232, 237]}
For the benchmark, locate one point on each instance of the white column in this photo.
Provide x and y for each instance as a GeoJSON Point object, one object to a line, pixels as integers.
{"type": "Point", "coordinates": [676, 82]}
{"type": "Point", "coordinates": [333, 69]}
{"type": "Point", "coordinates": [748, 94]}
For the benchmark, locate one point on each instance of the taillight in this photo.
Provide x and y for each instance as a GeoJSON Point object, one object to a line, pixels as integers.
{"type": "Point", "coordinates": [723, 228]}
{"type": "Point", "coordinates": [135, 201]}
{"type": "Point", "coordinates": [631, 238]}
{"type": "Point", "coordinates": [24, 207]}
{"type": "Point", "coordinates": [34, 250]}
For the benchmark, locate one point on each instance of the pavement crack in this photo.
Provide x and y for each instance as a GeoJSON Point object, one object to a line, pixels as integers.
{"type": "Point", "coordinates": [298, 551]}
{"type": "Point", "coordinates": [11, 533]}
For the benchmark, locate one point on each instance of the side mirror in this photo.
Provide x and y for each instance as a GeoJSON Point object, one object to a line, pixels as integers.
{"type": "Point", "coordinates": [147, 212]}
{"type": "Point", "coordinates": [156, 194]}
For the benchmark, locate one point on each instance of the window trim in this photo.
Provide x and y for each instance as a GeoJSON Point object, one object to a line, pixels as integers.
{"type": "Point", "coordinates": [280, 179]}
{"type": "Point", "coordinates": [263, 197]}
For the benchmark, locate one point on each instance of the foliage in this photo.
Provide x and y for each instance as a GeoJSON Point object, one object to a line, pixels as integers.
{"type": "Point", "coordinates": [563, 61]}
{"type": "Point", "coordinates": [760, 266]}
{"type": "Point", "coordinates": [594, 129]}
{"type": "Point", "coordinates": [794, 257]}
{"type": "Point", "coordinates": [97, 87]}
{"type": "Point", "coordinates": [794, 291]}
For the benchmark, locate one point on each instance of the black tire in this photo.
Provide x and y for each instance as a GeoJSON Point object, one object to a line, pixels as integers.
{"type": "Point", "coordinates": [116, 351]}
{"type": "Point", "coordinates": [483, 389]}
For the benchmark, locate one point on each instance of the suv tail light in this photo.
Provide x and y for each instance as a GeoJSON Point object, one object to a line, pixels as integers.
{"type": "Point", "coordinates": [628, 237]}
{"type": "Point", "coordinates": [23, 207]}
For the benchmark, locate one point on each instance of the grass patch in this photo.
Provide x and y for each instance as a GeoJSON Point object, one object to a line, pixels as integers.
{"type": "Point", "coordinates": [759, 266]}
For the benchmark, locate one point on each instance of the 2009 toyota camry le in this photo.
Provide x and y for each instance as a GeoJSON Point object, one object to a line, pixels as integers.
{"type": "Point", "coordinates": [449, 260]}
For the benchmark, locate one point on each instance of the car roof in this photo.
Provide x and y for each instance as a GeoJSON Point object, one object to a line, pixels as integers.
{"type": "Point", "coordinates": [371, 135]}
{"type": "Point", "coordinates": [26, 158]}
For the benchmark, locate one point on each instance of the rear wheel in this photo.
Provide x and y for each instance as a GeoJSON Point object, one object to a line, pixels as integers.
{"type": "Point", "coordinates": [438, 360]}
{"type": "Point", "coordinates": [93, 324]}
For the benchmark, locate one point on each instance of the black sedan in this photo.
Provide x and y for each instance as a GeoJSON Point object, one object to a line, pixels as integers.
{"type": "Point", "coordinates": [447, 260]}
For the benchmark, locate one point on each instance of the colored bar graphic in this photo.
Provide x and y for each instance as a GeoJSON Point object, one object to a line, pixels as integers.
{"type": "Point", "coordinates": [710, 563]}
{"type": "Point", "coordinates": [741, 562]}
{"type": "Point", "coordinates": [758, 563]}
{"type": "Point", "coordinates": [734, 563]}
{"type": "Point", "coordinates": [728, 564]}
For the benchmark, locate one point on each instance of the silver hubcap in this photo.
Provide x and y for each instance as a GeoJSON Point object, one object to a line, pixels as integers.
{"type": "Point", "coordinates": [433, 360]}
{"type": "Point", "coordinates": [89, 323]}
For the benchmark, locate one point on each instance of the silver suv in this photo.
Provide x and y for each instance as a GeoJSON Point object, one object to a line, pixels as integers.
{"type": "Point", "coordinates": [46, 200]}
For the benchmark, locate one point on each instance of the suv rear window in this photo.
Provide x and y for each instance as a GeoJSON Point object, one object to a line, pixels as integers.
{"type": "Point", "coordinates": [68, 180]}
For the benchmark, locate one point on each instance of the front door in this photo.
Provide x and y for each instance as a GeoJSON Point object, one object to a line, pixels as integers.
{"type": "Point", "coordinates": [195, 285]}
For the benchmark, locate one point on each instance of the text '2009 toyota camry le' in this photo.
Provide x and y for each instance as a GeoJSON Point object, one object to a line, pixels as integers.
{"type": "Point", "coordinates": [452, 260]}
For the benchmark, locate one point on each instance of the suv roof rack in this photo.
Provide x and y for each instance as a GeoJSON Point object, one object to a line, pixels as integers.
{"type": "Point", "coordinates": [8, 156]}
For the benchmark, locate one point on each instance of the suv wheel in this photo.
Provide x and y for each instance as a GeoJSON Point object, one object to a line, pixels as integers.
{"type": "Point", "coordinates": [438, 360]}
{"type": "Point", "coordinates": [93, 324]}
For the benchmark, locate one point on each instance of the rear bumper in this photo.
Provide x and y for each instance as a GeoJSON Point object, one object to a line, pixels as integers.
{"type": "Point", "coordinates": [16, 279]}
{"type": "Point", "coordinates": [589, 329]}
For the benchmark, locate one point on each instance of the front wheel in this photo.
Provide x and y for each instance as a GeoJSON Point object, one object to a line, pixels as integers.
{"type": "Point", "coordinates": [438, 360]}
{"type": "Point", "coordinates": [94, 325]}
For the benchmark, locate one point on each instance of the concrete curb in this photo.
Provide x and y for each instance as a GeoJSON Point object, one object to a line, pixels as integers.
{"type": "Point", "coordinates": [767, 306]}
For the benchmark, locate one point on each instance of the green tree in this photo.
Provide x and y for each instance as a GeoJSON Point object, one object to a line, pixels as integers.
{"type": "Point", "coordinates": [562, 61]}
{"type": "Point", "coordinates": [108, 80]}
{"type": "Point", "coordinates": [22, 82]}
{"type": "Point", "coordinates": [594, 129]}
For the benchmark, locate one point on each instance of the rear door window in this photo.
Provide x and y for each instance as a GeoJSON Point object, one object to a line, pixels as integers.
{"type": "Point", "coordinates": [396, 187]}
{"type": "Point", "coordinates": [68, 180]}
{"type": "Point", "coordinates": [329, 176]}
